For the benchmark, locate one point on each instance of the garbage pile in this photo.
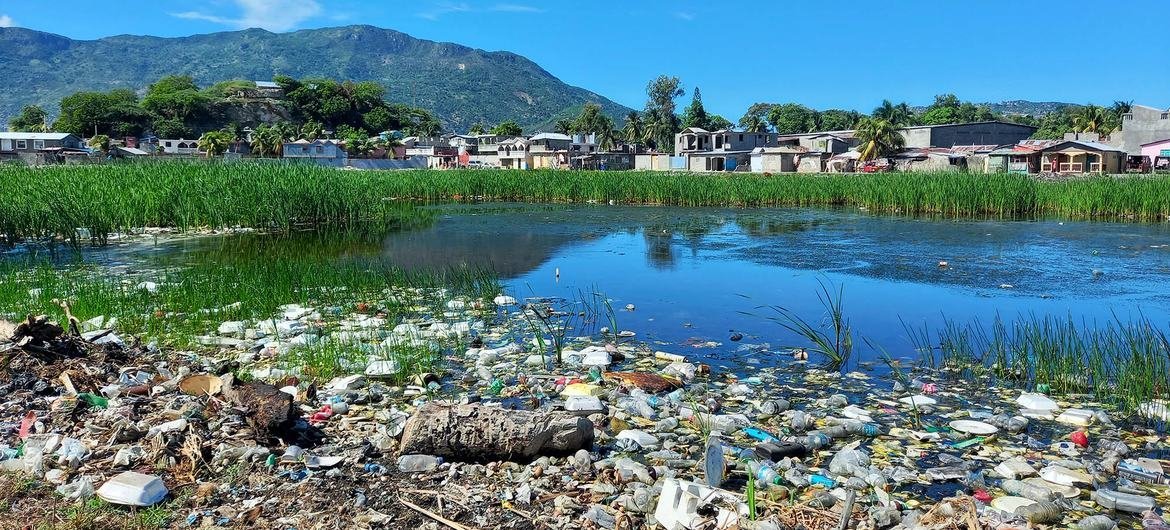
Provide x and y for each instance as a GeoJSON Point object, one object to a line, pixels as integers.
{"type": "Point", "coordinates": [619, 434]}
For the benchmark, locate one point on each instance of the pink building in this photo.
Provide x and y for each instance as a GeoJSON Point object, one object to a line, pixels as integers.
{"type": "Point", "coordinates": [1156, 150]}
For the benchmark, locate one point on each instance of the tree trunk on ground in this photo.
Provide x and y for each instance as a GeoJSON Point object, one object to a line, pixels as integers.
{"type": "Point", "coordinates": [476, 434]}
{"type": "Point", "coordinates": [270, 411]}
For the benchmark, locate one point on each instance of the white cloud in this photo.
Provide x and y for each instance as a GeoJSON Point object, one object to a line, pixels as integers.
{"type": "Point", "coordinates": [272, 15]}
{"type": "Point", "coordinates": [6, 21]}
{"type": "Point", "coordinates": [516, 8]}
{"type": "Point", "coordinates": [684, 15]}
{"type": "Point", "coordinates": [446, 8]}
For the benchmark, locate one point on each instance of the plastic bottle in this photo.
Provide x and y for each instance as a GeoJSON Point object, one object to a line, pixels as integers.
{"type": "Point", "coordinates": [767, 475]}
{"type": "Point", "coordinates": [815, 441]}
{"type": "Point", "coordinates": [418, 463]}
{"type": "Point", "coordinates": [1117, 447]}
{"type": "Point", "coordinates": [1125, 502]}
{"type": "Point", "coordinates": [800, 421]}
{"type": "Point", "coordinates": [1029, 491]}
{"type": "Point", "coordinates": [821, 480]}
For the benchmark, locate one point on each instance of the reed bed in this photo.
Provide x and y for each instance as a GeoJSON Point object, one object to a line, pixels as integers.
{"type": "Point", "coordinates": [78, 203]}
{"type": "Point", "coordinates": [1120, 363]}
{"type": "Point", "coordinates": [186, 302]}
{"type": "Point", "coordinates": [56, 201]}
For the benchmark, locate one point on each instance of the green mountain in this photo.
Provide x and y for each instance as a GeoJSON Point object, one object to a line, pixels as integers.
{"type": "Point", "coordinates": [460, 85]}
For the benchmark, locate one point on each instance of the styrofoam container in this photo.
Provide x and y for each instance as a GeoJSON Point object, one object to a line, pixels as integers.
{"type": "Point", "coordinates": [918, 401]}
{"type": "Point", "coordinates": [1034, 401]}
{"type": "Point", "coordinates": [133, 489]}
{"type": "Point", "coordinates": [1079, 417]}
{"type": "Point", "coordinates": [1068, 492]}
{"type": "Point", "coordinates": [1009, 504]}
{"type": "Point", "coordinates": [1014, 468]}
{"type": "Point", "coordinates": [1065, 476]}
{"type": "Point", "coordinates": [974, 427]}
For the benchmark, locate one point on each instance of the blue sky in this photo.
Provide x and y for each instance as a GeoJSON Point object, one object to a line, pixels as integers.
{"type": "Point", "coordinates": [823, 54]}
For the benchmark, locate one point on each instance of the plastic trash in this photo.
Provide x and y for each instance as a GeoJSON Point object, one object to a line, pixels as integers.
{"type": "Point", "coordinates": [679, 502]}
{"type": "Point", "coordinates": [418, 463]}
{"type": "Point", "coordinates": [1078, 417]}
{"type": "Point", "coordinates": [815, 441]}
{"type": "Point", "coordinates": [1064, 476]}
{"type": "Point", "coordinates": [1096, 522]}
{"type": "Point", "coordinates": [1014, 468]}
{"type": "Point", "coordinates": [1125, 502]}
{"type": "Point", "coordinates": [1040, 513]}
{"type": "Point", "coordinates": [850, 462]}
{"type": "Point", "coordinates": [1145, 470]}
{"type": "Point", "coordinates": [644, 439]}
{"type": "Point", "coordinates": [777, 451]}
{"type": "Point", "coordinates": [79, 489]}
{"type": "Point", "coordinates": [94, 400]}
{"type": "Point", "coordinates": [1029, 491]}
{"type": "Point", "coordinates": [760, 435]}
{"type": "Point", "coordinates": [170, 426]}
{"type": "Point", "coordinates": [133, 489]}
{"type": "Point", "coordinates": [1033, 401]}
{"type": "Point", "coordinates": [714, 465]}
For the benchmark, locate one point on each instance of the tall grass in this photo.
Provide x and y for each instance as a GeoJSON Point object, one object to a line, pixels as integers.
{"type": "Point", "coordinates": [1120, 363]}
{"type": "Point", "coordinates": [57, 201]}
{"type": "Point", "coordinates": [104, 199]}
{"type": "Point", "coordinates": [188, 301]}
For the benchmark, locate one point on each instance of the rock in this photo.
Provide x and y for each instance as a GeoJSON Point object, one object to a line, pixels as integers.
{"type": "Point", "coordinates": [477, 433]}
{"type": "Point", "coordinates": [270, 412]}
{"type": "Point", "coordinates": [232, 329]}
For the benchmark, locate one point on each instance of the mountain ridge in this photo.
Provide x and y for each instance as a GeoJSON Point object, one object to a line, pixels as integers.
{"type": "Point", "coordinates": [460, 84]}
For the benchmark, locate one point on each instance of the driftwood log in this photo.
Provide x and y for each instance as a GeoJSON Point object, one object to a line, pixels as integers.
{"type": "Point", "coordinates": [473, 433]}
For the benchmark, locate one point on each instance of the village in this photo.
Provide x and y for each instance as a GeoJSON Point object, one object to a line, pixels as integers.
{"type": "Point", "coordinates": [1140, 145]}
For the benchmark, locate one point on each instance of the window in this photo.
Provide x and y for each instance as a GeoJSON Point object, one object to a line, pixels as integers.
{"type": "Point", "coordinates": [38, 144]}
{"type": "Point", "coordinates": [320, 149]}
{"type": "Point", "coordinates": [168, 144]}
{"type": "Point", "coordinates": [1166, 115]}
{"type": "Point", "coordinates": [22, 144]}
{"type": "Point", "coordinates": [741, 137]}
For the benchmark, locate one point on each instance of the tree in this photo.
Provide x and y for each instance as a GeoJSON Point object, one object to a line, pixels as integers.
{"type": "Point", "coordinates": [267, 141]}
{"type": "Point", "coordinates": [479, 128]}
{"type": "Point", "coordinates": [111, 113]}
{"type": "Point", "coordinates": [900, 115]}
{"type": "Point", "coordinates": [563, 126]}
{"type": "Point", "coordinates": [592, 120]}
{"type": "Point", "coordinates": [32, 118]}
{"type": "Point", "coordinates": [100, 142]}
{"type": "Point", "coordinates": [633, 130]}
{"type": "Point", "coordinates": [756, 118]}
{"type": "Point", "coordinates": [879, 138]}
{"type": "Point", "coordinates": [378, 119]}
{"type": "Point", "coordinates": [176, 99]}
{"type": "Point", "coordinates": [695, 115]}
{"type": "Point", "coordinates": [717, 122]}
{"type": "Point", "coordinates": [837, 120]}
{"type": "Point", "coordinates": [608, 138]}
{"type": "Point", "coordinates": [1092, 119]}
{"type": "Point", "coordinates": [214, 143]}
{"type": "Point", "coordinates": [507, 128]}
{"type": "Point", "coordinates": [312, 130]}
{"type": "Point", "coordinates": [1054, 125]}
{"type": "Point", "coordinates": [661, 121]}
{"type": "Point", "coordinates": [792, 118]}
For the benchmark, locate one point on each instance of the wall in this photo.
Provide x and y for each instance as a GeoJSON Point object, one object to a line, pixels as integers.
{"type": "Point", "coordinates": [993, 133]}
{"type": "Point", "coordinates": [375, 163]}
{"type": "Point", "coordinates": [1142, 126]}
{"type": "Point", "coordinates": [1155, 150]}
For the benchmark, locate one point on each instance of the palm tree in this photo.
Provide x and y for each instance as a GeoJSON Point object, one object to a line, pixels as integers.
{"type": "Point", "coordinates": [312, 130]}
{"type": "Point", "coordinates": [214, 143]}
{"type": "Point", "coordinates": [390, 143]}
{"type": "Point", "coordinates": [634, 130]}
{"type": "Point", "coordinates": [878, 138]}
{"type": "Point", "coordinates": [608, 138]}
{"type": "Point", "coordinates": [1092, 119]}
{"type": "Point", "coordinates": [563, 126]}
{"type": "Point", "coordinates": [754, 123]}
{"type": "Point", "coordinates": [899, 114]}
{"type": "Point", "coordinates": [267, 141]}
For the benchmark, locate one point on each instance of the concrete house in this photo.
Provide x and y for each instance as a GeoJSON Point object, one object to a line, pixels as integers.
{"type": "Point", "coordinates": [1158, 153]}
{"type": "Point", "coordinates": [1141, 125]}
{"type": "Point", "coordinates": [178, 146]}
{"type": "Point", "coordinates": [783, 159]}
{"type": "Point", "coordinates": [324, 152]}
{"type": "Point", "coordinates": [28, 142]}
{"type": "Point", "coordinates": [832, 142]}
{"type": "Point", "coordinates": [722, 150]}
{"type": "Point", "coordinates": [1081, 157]}
{"type": "Point", "coordinates": [978, 133]}
{"type": "Point", "coordinates": [514, 154]}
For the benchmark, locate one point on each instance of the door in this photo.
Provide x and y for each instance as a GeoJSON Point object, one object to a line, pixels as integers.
{"type": "Point", "coordinates": [5, 145]}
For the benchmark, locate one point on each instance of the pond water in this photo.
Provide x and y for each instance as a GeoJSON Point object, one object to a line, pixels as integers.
{"type": "Point", "coordinates": [697, 275]}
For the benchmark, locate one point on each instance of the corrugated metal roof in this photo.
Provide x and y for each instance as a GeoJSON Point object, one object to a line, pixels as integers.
{"type": "Point", "coordinates": [33, 136]}
{"type": "Point", "coordinates": [552, 136]}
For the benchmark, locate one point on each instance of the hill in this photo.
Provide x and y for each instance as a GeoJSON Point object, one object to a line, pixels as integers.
{"type": "Point", "coordinates": [1021, 107]}
{"type": "Point", "coordinates": [461, 85]}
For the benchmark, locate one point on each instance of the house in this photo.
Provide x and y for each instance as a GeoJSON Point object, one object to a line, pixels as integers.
{"type": "Point", "coordinates": [784, 159]}
{"type": "Point", "coordinates": [29, 142]}
{"type": "Point", "coordinates": [324, 152]}
{"type": "Point", "coordinates": [977, 133]}
{"type": "Point", "coordinates": [1141, 125]}
{"type": "Point", "coordinates": [550, 150]}
{"type": "Point", "coordinates": [179, 146]}
{"type": "Point", "coordinates": [438, 150]}
{"type": "Point", "coordinates": [1023, 157]}
{"type": "Point", "coordinates": [930, 159]}
{"type": "Point", "coordinates": [832, 142]}
{"type": "Point", "coordinates": [604, 161]}
{"type": "Point", "coordinates": [121, 151]}
{"type": "Point", "coordinates": [695, 139]}
{"type": "Point", "coordinates": [1059, 157]}
{"type": "Point", "coordinates": [514, 153]}
{"type": "Point", "coordinates": [722, 150]}
{"type": "Point", "coordinates": [1158, 154]}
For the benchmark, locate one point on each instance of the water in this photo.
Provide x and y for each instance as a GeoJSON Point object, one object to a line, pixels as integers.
{"type": "Point", "coordinates": [696, 275]}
